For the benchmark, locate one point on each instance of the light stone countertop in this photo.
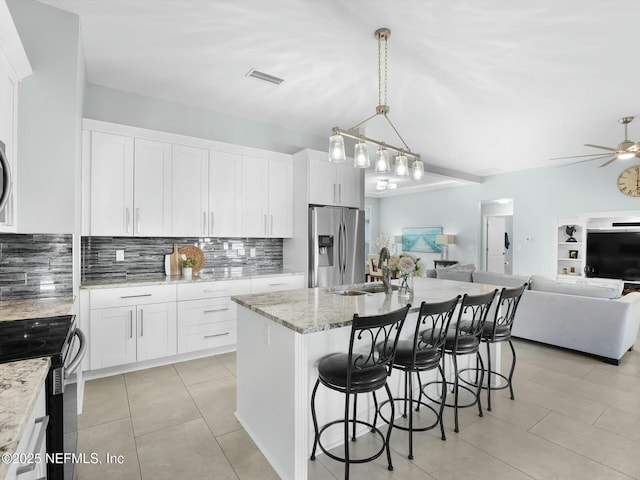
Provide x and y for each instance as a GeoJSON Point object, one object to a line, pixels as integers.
{"type": "Point", "coordinates": [35, 308]}
{"type": "Point", "coordinates": [20, 383]}
{"type": "Point", "coordinates": [317, 309]}
{"type": "Point", "coordinates": [204, 276]}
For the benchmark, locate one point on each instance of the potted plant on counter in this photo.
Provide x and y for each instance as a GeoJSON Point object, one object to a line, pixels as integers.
{"type": "Point", "coordinates": [187, 267]}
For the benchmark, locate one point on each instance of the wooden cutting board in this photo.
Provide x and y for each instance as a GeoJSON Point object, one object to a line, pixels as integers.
{"type": "Point", "coordinates": [175, 261]}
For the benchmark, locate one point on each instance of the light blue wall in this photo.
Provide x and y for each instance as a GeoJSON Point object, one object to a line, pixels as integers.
{"type": "Point", "coordinates": [49, 107]}
{"type": "Point", "coordinates": [540, 196]}
{"type": "Point", "coordinates": [109, 105]}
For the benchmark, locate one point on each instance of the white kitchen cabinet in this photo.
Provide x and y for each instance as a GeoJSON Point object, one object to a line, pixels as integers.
{"type": "Point", "coordinates": [267, 198]}
{"type": "Point", "coordinates": [224, 200]}
{"type": "Point", "coordinates": [152, 188]}
{"type": "Point", "coordinates": [276, 283]}
{"type": "Point", "coordinates": [206, 314]}
{"type": "Point", "coordinates": [130, 186]}
{"type": "Point", "coordinates": [32, 444]}
{"type": "Point", "coordinates": [111, 184]}
{"type": "Point", "coordinates": [131, 324]}
{"type": "Point", "coordinates": [189, 191]}
{"type": "Point", "coordinates": [333, 184]}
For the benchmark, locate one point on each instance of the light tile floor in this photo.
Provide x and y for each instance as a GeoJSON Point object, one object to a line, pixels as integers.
{"type": "Point", "coordinates": [574, 417]}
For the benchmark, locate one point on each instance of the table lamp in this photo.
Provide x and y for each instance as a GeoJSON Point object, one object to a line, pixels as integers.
{"type": "Point", "coordinates": [445, 240]}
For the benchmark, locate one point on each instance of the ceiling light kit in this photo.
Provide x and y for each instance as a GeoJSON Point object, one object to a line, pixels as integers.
{"type": "Point", "coordinates": [624, 151]}
{"type": "Point", "coordinates": [361, 155]}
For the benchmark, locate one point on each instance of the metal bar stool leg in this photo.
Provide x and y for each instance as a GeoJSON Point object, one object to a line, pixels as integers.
{"type": "Point", "coordinates": [375, 416]}
{"type": "Point", "coordinates": [404, 414]}
{"type": "Point", "coordinates": [480, 384]}
{"type": "Point", "coordinates": [410, 416]}
{"type": "Point", "coordinates": [442, 402]}
{"type": "Point", "coordinates": [346, 435]}
{"type": "Point", "coordinates": [513, 367]}
{"type": "Point", "coordinates": [455, 392]}
{"type": "Point", "coordinates": [315, 419]}
{"type": "Point", "coordinates": [488, 376]}
{"type": "Point", "coordinates": [355, 405]}
{"type": "Point", "coordinates": [393, 413]}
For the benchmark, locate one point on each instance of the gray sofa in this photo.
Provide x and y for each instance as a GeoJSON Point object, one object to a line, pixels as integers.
{"type": "Point", "coordinates": [591, 317]}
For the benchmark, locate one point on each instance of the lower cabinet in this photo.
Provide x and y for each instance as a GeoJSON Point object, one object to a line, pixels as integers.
{"type": "Point", "coordinates": [132, 334]}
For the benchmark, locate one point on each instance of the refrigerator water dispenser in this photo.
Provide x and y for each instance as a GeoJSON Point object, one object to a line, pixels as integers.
{"type": "Point", "coordinates": [325, 250]}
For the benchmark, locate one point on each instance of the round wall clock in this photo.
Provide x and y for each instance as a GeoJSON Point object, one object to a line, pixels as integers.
{"type": "Point", "coordinates": [629, 181]}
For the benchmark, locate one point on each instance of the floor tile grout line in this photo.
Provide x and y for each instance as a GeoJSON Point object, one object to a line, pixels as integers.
{"type": "Point", "coordinates": [135, 440]}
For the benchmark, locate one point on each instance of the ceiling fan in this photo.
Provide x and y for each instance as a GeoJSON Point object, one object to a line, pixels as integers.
{"type": "Point", "coordinates": [624, 151]}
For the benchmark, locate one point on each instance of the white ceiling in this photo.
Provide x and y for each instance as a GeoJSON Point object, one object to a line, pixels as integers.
{"type": "Point", "coordinates": [480, 87]}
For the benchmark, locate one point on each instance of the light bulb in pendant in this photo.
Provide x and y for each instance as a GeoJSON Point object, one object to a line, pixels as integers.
{"type": "Point", "coordinates": [402, 167]}
{"type": "Point", "coordinates": [336, 149]}
{"type": "Point", "coordinates": [361, 156]}
{"type": "Point", "coordinates": [382, 161]}
{"type": "Point", "coordinates": [417, 169]}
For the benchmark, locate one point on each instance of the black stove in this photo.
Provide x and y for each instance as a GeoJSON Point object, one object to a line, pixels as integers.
{"type": "Point", "coordinates": [38, 337]}
{"type": "Point", "coordinates": [51, 337]}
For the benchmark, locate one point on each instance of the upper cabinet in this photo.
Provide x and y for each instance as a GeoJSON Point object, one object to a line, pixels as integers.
{"type": "Point", "coordinates": [334, 184]}
{"type": "Point", "coordinates": [14, 67]}
{"type": "Point", "coordinates": [147, 187]}
{"type": "Point", "coordinates": [267, 198]}
{"type": "Point", "coordinates": [130, 186]}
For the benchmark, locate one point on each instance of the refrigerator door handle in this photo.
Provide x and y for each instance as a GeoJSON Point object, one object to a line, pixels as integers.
{"type": "Point", "coordinates": [343, 259]}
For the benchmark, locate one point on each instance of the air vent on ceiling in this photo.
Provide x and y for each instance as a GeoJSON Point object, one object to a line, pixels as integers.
{"type": "Point", "coordinates": [264, 76]}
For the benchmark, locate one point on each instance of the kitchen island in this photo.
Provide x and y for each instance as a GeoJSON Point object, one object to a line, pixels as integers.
{"type": "Point", "coordinates": [280, 338]}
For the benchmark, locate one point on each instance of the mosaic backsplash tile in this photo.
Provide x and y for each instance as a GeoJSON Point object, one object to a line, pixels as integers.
{"type": "Point", "coordinates": [145, 255]}
{"type": "Point", "coordinates": [35, 266]}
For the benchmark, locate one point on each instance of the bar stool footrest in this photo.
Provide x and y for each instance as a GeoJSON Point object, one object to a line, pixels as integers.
{"type": "Point", "coordinates": [484, 387]}
{"type": "Point", "coordinates": [415, 429]}
{"type": "Point", "coordinates": [446, 384]}
{"type": "Point", "coordinates": [372, 429]}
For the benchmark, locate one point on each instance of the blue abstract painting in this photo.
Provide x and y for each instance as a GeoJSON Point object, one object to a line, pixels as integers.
{"type": "Point", "coordinates": [421, 239]}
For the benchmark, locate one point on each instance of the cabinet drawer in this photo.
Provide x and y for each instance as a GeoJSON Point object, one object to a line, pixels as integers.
{"type": "Point", "coordinates": [127, 296]}
{"type": "Point", "coordinates": [222, 288]}
{"type": "Point", "coordinates": [275, 284]}
{"type": "Point", "coordinates": [209, 336]}
{"type": "Point", "coordinates": [197, 312]}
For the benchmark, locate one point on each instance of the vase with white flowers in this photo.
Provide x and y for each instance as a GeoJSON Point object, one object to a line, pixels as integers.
{"type": "Point", "coordinates": [406, 266]}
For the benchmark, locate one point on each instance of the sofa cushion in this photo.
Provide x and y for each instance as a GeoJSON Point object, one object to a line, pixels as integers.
{"type": "Point", "coordinates": [543, 284]}
{"type": "Point", "coordinates": [461, 273]}
{"type": "Point", "coordinates": [430, 273]}
{"type": "Point", "coordinates": [502, 279]}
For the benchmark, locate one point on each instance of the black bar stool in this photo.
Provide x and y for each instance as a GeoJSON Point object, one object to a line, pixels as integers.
{"type": "Point", "coordinates": [364, 369]}
{"type": "Point", "coordinates": [463, 338]}
{"type": "Point", "coordinates": [422, 353]}
{"type": "Point", "coordinates": [498, 330]}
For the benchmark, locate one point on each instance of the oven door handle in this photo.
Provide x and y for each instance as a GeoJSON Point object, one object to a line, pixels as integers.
{"type": "Point", "coordinates": [82, 350]}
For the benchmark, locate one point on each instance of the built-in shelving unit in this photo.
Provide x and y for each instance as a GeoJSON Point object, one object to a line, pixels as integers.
{"type": "Point", "coordinates": [570, 256]}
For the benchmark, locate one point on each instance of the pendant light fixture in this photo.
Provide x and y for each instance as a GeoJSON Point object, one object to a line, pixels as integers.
{"type": "Point", "coordinates": [361, 156]}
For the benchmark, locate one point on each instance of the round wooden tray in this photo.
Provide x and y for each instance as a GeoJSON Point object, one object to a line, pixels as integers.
{"type": "Point", "coordinates": [194, 252]}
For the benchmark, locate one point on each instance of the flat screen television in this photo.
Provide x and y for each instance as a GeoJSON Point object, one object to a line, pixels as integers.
{"type": "Point", "coordinates": [613, 255]}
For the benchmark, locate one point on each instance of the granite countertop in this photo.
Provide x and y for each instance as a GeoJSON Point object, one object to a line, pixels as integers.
{"type": "Point", "coordinates": [35, 308]}
{"type": "Point", "coordinates": [317, 309]}
{"type": "Point", "coordinates": [203, 276]}
{"type": "Point", "coordinates": [20, 383]}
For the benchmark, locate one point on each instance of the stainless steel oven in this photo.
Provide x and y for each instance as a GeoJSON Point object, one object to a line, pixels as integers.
{"type": "Point", "coordinates": [59, 339]}
{"type": "Point", "coordinates": [5, 181]}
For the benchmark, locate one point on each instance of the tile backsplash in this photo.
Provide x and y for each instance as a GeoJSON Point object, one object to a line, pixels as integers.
{"type": "Point", "coordinates": [145, 255]}
{"type": "Point", "coordinates": [35, 266]}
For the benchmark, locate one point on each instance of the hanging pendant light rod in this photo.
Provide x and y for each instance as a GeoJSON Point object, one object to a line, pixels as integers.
{"type": "Point", "coordinates": [362, 138]}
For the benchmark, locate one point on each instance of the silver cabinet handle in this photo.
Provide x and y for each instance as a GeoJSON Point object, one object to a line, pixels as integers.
{"type": "Point", "coordinates": [130, 323]}
{"type": "Point", "coordinates": [127, 219]}
{"type": "Point", "coordinates": [276, 284]}
{"type": "Point", "coordinates": [339, 193]}
{"type": "Point", "coordinates": [137, 220]}
{"type": "Point", "coordinates": [334, 193]}
{"type": "Point", "coordinates": [211, 224]}
{"type": "Point", "coordinates": [216, 335]}
{"type": "Point", "coordinates": [216, 310]}
{"type": "Point", "coordinates": [136, 296]}
{"type": "Point", "coordinates": [215, 291]}
{"type": "Point", "coordinates": [141, 323]}
{"type": "Point", "coordinates": [271, 225]}
{"type": "Point", "coordinates": [43, 421]}
{"type": "Point", "coordinates": [265, 224]}
{"type": "Point", "coordinates": [204, 223]}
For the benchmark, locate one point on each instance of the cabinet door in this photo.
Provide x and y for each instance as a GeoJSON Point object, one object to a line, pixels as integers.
{"type": "Point", "coordinates": [152, 188]}
{"type": "Point", "coordinates": [280, 199]}
{"type": "Point", "coordinates": [350, 183]}
{"type": "Point", "coordinates": [112, 337]}
{"type": "Point", "coordinates": [323, 188]}
{"type": "Point", "coordinates": [156, 331]}
{"type": "Point", "coordinates": [190, 167]}
{"type": "Point", "coordinates": [225, 172]}
{"type": "Point", "coordinates": [111, 184]}
{"type": "Point", "coordinates": [255, 197]}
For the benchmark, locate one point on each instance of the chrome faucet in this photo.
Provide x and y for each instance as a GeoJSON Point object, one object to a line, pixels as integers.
{"type": "Point", "coordinates": [383, 262]}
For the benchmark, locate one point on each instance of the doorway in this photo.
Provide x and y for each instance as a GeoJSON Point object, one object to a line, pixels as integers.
{"type": "Point", "coordinates": [497, 232]}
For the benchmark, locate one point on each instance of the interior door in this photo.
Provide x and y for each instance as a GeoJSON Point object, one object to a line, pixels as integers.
{"type": "Point", "coordinates": [495, 228]}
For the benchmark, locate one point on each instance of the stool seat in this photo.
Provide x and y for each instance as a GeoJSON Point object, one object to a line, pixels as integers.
{"type": "Point", "coordinates": [332, 371]}
{"type": "Point", "coordinates": [466, 343]}
{"type": "Point", "coordinates": [426, 358]}
{"type": "Point", "coordinates": [502, 333]}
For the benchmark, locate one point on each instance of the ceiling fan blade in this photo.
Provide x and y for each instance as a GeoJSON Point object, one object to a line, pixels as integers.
{"type": "Point", "coordinates": [601, 147]}
{"type": "Point", "coordinates": [582, 161]}
{"type": "Point", "coordinates": [579, 156]}
{"type": "Point", "coordinates": [615, 157]}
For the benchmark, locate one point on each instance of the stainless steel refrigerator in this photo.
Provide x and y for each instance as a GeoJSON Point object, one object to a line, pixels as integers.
{"type": "Point", "coordinates": [336, 246]}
